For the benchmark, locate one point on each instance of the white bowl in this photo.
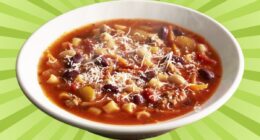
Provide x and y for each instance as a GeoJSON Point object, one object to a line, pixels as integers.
{"type": "Point", "coordinates": [217, 35]}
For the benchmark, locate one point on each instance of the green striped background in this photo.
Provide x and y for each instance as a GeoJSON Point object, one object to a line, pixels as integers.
{"type": "Point", "coordinates": [237, 119]}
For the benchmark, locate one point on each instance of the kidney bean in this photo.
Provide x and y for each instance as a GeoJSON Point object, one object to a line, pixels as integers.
{"type": "Point", "coordinates": [108, 88]}
{"type": "Point", "coordinates": [148, 75]}
{"type": "Point", "coordinates": [101, 62]}
{"type": "Point", "coordinates": [175, 58]}
{"type": "Point", "coordinates": [138, 99]}
{"type": "Point", "coordinates": [177, 32]}
{"type": "Point", "coordinates": [88, 45]}
{"type": "Point", "coordinates": [206, 74]}
{"type": "Point", "coordinates": [70, 75]}
{"type": "Point", "coordinates": [76, 58]}
{"type": "Point", "coordinates": [163, 33]}
{"type": "Point", "coordinates": [149, 95]}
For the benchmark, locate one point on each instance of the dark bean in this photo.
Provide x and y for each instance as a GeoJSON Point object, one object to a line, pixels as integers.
{"type": "Point", "coordinates": [163, 33]}
{"type": "Point", "coordinates": [177, 32]}
{"type": "Point", "coordinates": [206, 74]}
{"type": "Point", "coordinates": [68, 63]}
{"type": "Point", "coordinates": [147, 76]}
{"type": "Point", "coordinates": [101, 61]}
{"type": "Point", "coordinates": [88, 45]}
{"type": "Point", "coordinates": [70, 75]}
{"type": "Point", "coordinates": [178, 59]}
{"type": "Point", "coordinates": [175, 58]}
{"type": "Point", "coordinates": [138, 99]}
{"type": "Point", "coordinates": [108, 88]}
{"type": "Point", "coordinates": [76, 58]}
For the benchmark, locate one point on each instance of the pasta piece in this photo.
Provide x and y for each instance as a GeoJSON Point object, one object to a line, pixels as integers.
{"type": "Point", "coordinates": [53, 79]}
{"type": "Point", "coordinates": [129, 107]}
{"type": "Point", "coordinates": [76, 41]}
{"type": "Point", "coordinates": [177, 79]}
{"type": "Point", "coordinates": [94, 110]}
{"type": "Point", "coordinates": [142, 115]}
{"type": "Point", "coordinates": [111, 107]}
{"type": "Point", "coordinates": [87, 93]}
{"type": "Point", "coordinates": [67, 53]}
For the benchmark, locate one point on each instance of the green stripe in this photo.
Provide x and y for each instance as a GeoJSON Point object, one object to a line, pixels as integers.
{"type": "Point", "coordinates": [42, 4]}
{"type": "Point", "coordinates": [8, 53]}
{"type": "Point", "coordinates": [252, 75]}
{"type": "Point", "coordinates": [59, 133]}
{"type": "Point", "coordinates": [247, 9]}
{"type": "Point", "coordinates": [249, 31]}
{"type": "Point", "coordinates": [174, 135]}
{"type": "Point", "coordinates": [68, 4]}
{"type": "Point", "coordinates": [251, 53]}
{"type": "Point", "coordinates": [252, 125]}
{"type": "Point", "coordinates": [218, 129]}
{"type": "Point", "coordinates": [13, 33]}
{"type": "Point", "coordinates": [29, 134]}
{"type": "Point", "coordinates": [16, 117]}
{"type": "Point", "coordinates": [194, 133]}
{"type": "Point", "coordinates": [248, 97]}
{"type": "Point", "coordinates": [211, 4]}
{"type": "Point", "coordinates": [7, 74]}
{"type": "Point", "coordinates": [6, 9]}
{"type": "Point", "coordinates": [10, 95]}
{"type": "Point", "coordinates": [79, 135]}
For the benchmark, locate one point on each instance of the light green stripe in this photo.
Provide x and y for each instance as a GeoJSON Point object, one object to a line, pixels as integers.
{"type": "Point", "coordinates": [202, 128]}
{"type": "Point", "coordinates": [250, 86]}
{"type": "Point", "coordinates": [19, 127]}
{"type": "Point", "coordinates": [251, 114]}
{"type": "Point", "coordinates": [47, 132]}
{"type": "Point", "coordinates": [12, 106]}
{"type": "Point", "coordinates": [227, 7]}
{"type": "Point", "coordinates": [251, 125]}
{"type": "Point", "coordinates": [10, 43]}
{"type": "Point", "coordinates": [46, 6]}
{"type": "Point", "coordinates": [8, 32]}
{"type": "Point", "coordinates": [9, 10]}
{"type": "Point", "coordinates": [8, 85]}
{"type": "Point", "coordinates": [248, 97]}
{"type": "Point", "coordinates": [183, 134]}
{"type": "Point", "coordinates": [165, 136]}
{"type": "Point", "coordinates": [17, 116]}
{"type": "Point", "coordinates": [211, 4]}
{"type": "Point", "coordinates": [194, 133]}
{"type": "Point", "coordinates": [218, 129]}
{"type": "Point", "coordinates": [234, 128]}
{"type": "Point", "coordinates": [58, 5]}
{"type": "Point", "coordinates": [72, 131]}
{"type": "Point", "coordinates": [249, 42]}
{"type": "Point", "coordinates": [10, 95]}
{"type": "Point", "coordinates": [198, 3]}
{"type": "Point", "coordinates": [29, 134]}
{"type": "Point", "coordinates": [68, 4]}
{"type": "Point", "coordinates": [252, 64]}
{"type": "Point", "coordinates": [252, 7]}
{"type": "Point", "coordinates": [59, 133]}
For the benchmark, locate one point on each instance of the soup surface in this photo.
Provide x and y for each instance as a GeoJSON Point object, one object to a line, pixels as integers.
{"type": "Point", "coordinates": [129, 71]}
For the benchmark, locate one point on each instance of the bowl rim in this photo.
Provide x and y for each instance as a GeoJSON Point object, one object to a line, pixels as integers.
{"type": "Point", "coordinates": [162, 126]}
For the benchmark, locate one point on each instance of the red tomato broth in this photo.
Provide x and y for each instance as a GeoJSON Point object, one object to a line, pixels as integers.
{"type": "Point", "coordinates": [121, 117]}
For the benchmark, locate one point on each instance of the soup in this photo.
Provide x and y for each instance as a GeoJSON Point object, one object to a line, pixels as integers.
{"type": "Point", "coordinates": [129, 71]}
